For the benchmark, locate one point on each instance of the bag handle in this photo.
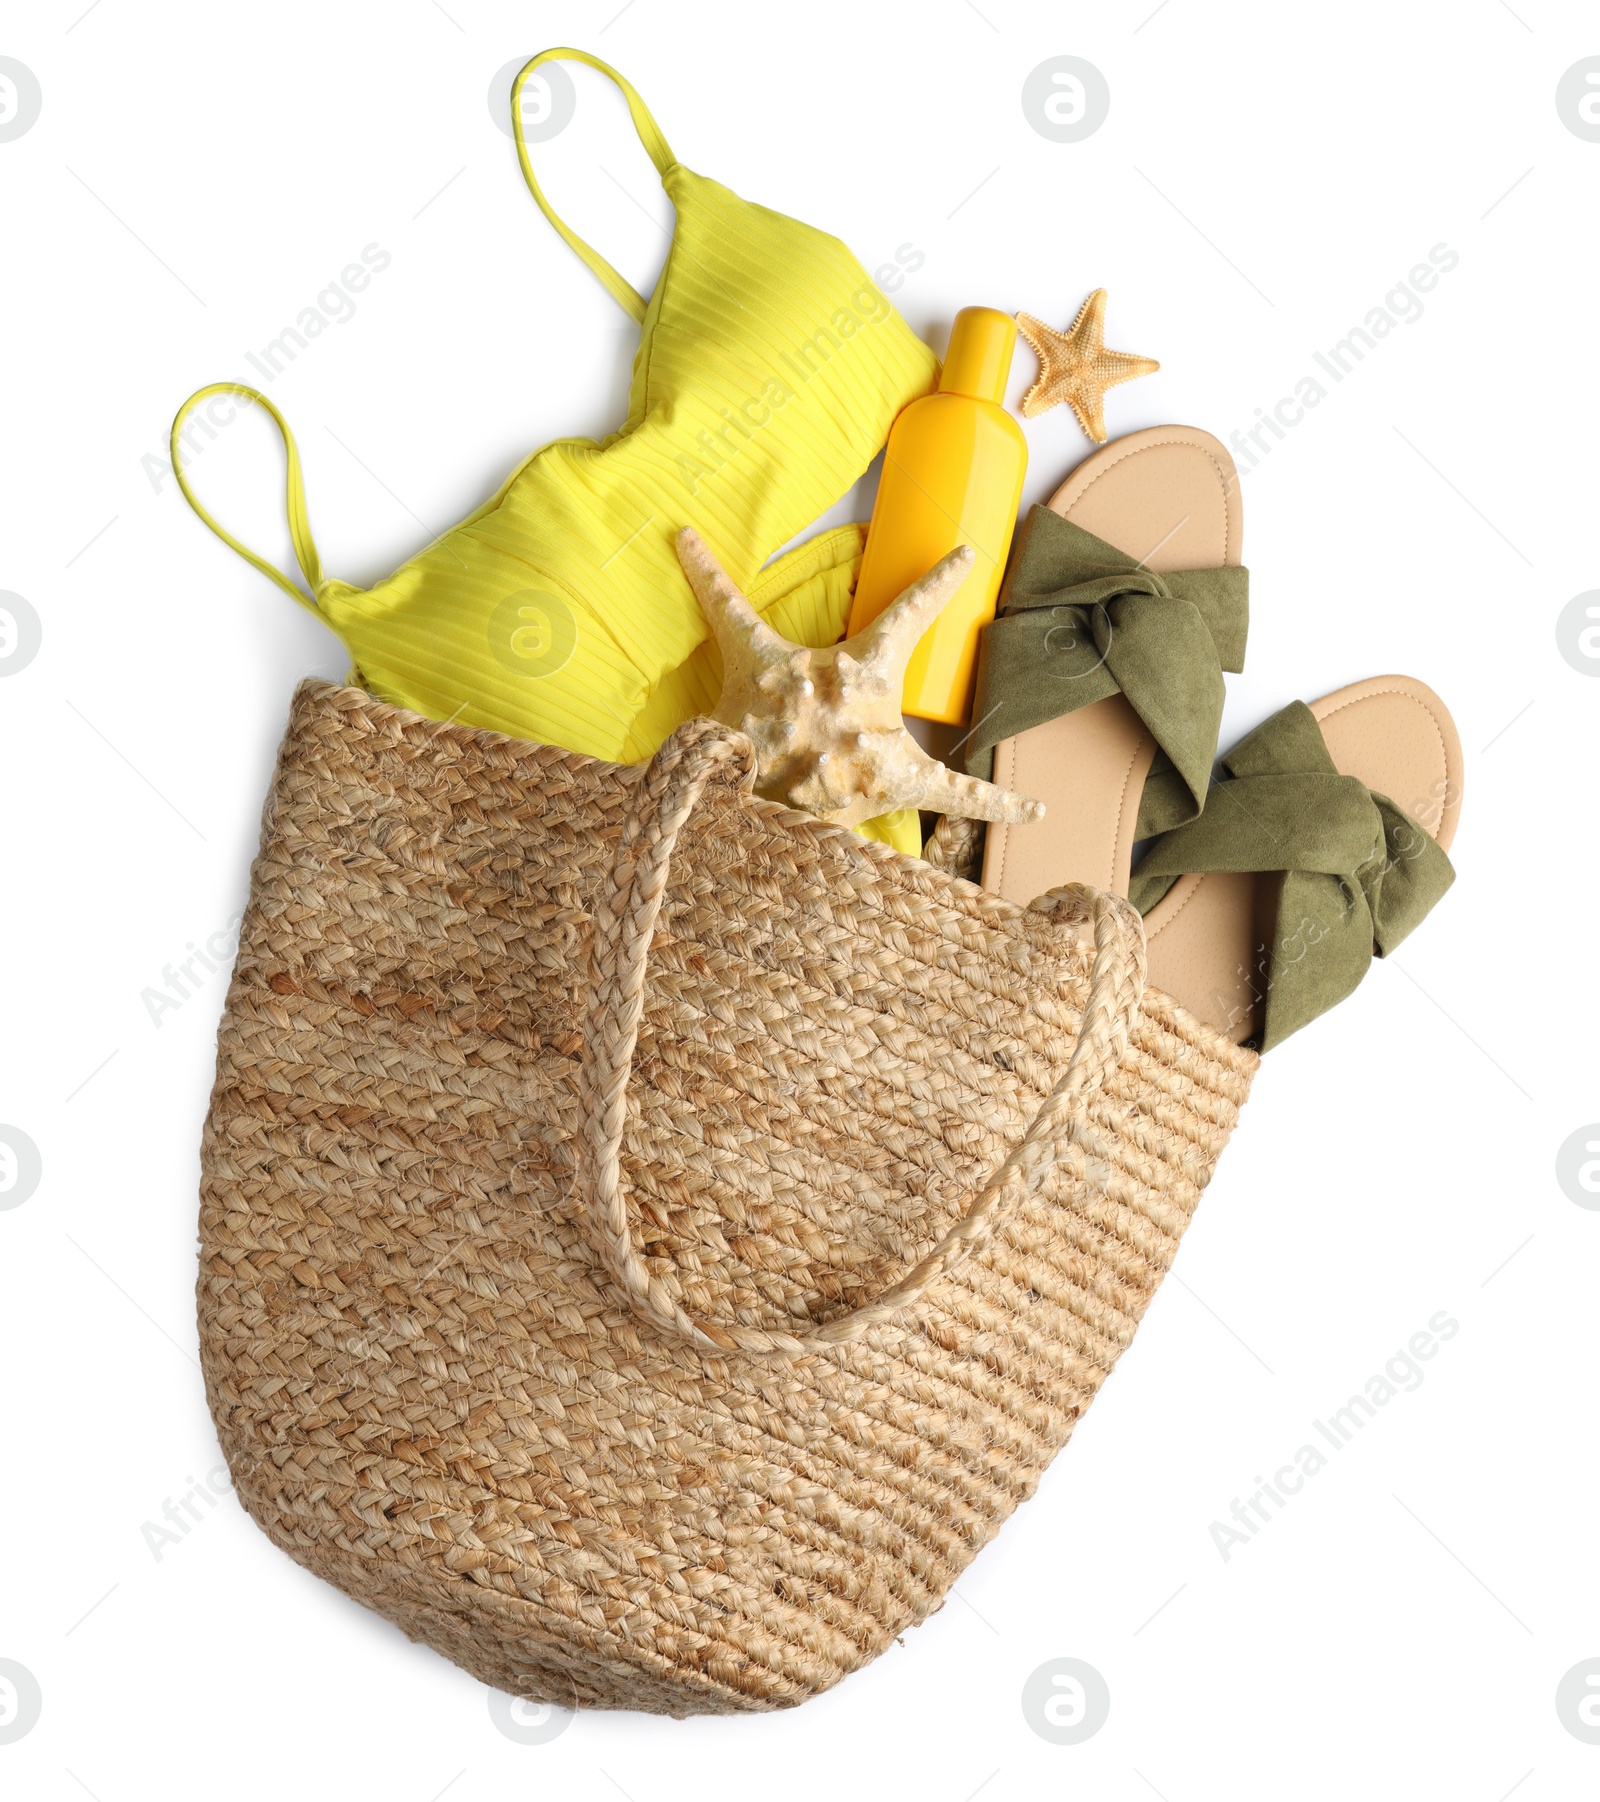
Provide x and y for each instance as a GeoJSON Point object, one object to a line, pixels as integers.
{"type": "Point", "coordinates": [625, 918]}
{"type": "Point", "coordinates": [656, 148]}
{"type": "Point", "coordinates": [294, 497]}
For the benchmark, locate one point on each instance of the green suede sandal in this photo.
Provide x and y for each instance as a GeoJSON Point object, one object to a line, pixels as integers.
{"type": "Point", "coordinates": [1099, 685]}
{"type": "Point", "coordinates": [1325, 842]}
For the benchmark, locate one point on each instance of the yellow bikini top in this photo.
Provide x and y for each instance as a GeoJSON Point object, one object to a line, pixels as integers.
{"type": "Point", "coordinates": [769, 369]}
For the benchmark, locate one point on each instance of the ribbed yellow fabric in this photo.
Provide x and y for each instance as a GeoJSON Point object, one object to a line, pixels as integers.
{"type": "Point", "coordinates": [768, 372]}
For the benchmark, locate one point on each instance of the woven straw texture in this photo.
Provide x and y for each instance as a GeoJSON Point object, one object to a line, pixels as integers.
{"type": "Point", "coordinates": [650, 1240]}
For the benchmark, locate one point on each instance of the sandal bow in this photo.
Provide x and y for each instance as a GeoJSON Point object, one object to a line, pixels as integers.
{"type": "Point", "coordinates": [1079, 621]}
{"type": "Point", "coordinates": [1359, 873]}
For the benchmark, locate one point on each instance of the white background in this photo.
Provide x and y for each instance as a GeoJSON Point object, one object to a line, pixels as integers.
{"type": "Point", "coordinates": [1267, 174]}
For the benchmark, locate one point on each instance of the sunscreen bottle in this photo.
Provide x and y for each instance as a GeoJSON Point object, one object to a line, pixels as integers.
{"type": "Point", "coordinates": [952, 475]}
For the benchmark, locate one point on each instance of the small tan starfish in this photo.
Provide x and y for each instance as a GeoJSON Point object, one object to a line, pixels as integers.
{"type": "Point", "coordinates": [826, 724]}
{"type": "Point", "coordinates": [1076, 367]}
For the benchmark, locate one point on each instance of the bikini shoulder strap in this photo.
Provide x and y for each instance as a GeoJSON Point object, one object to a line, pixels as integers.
{"type": "Point", "coordinates": [294, 493]}
{"type": "Point", "coordinates": [656, 148]}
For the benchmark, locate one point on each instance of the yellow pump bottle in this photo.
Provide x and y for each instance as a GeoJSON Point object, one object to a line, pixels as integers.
{"type": "Point", "coordinates": [952, 475]}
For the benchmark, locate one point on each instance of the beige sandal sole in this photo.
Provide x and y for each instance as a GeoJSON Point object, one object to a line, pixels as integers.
{"type": "Point", "coordinates": [1170, 497]}
{"type": "Point", "coordinates": [1208, 935]}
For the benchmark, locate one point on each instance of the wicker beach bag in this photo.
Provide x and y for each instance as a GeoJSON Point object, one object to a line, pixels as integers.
{"type": "Point", "coordinates": [651, 1240]}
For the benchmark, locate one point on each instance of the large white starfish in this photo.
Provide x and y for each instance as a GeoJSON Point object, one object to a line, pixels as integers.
{"type": "Point", "coordinates": [826, 724]}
